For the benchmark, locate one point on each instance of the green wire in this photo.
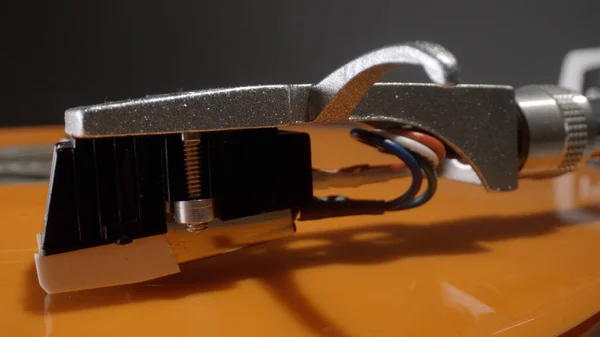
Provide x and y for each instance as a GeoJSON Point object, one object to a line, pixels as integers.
{"type": "Point", "coordinates": [431, 185]}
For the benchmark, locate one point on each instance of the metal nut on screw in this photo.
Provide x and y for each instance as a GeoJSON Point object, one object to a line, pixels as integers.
{"type": "Point", "coordinates": [196, 212]}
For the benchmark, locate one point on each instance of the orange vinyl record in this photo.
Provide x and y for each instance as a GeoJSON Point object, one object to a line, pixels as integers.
{"type": "Point", "coordinates": [469, 263]}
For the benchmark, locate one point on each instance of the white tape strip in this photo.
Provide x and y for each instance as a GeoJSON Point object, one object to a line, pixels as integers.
{"type": "Point", "coordinates": [108, 265]}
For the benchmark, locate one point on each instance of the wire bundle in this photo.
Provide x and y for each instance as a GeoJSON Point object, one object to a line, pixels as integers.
{"type": "Point", "coordinates": [420, 154]}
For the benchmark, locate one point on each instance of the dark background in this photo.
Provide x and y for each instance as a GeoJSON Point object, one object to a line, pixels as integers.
{"type": "Point", "coordinates": [65, 53]}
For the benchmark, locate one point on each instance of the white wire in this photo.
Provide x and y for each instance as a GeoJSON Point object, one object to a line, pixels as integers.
{"type": "Point", "coordinates": [416, 147]}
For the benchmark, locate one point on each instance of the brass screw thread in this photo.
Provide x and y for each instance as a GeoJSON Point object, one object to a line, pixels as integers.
{"type": "Point", "coordinates": [192, 156]}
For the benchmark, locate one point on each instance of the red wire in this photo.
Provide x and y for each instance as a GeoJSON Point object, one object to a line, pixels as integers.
{"type": "Point", "coordinates": [431, 142]}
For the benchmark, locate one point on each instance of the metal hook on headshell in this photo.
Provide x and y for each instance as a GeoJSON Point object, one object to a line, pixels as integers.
{"type": "Point", "coordinates": [335, 97]}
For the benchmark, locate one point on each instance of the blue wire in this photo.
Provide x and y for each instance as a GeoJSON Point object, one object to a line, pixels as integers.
{"type": "Point", "coordinates": [431, 185]}
{"type": "Point", "coordinates": [335, 206]}
{"type": "Point", "coordinates": [391, 147]}
{"type": "Point", "coordinates": [415, 170]}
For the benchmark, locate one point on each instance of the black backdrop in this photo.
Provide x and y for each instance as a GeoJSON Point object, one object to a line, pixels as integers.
{"type": "Point", "coordinates": [64, 53]}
